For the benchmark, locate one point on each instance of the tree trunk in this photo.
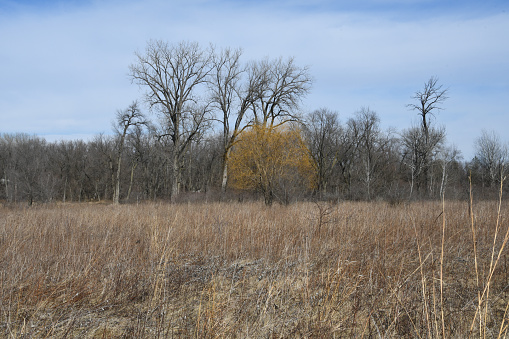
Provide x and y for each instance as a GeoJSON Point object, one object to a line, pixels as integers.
{"type": "Point", "coordinates": [133, 167]}
{"type": "Point", "coordinates": [116, 192]}
{"type": "Point", "coordinates": [65, 189]}
{"type": "Point", "coordinates": [444, 176]}
{"type": "Point", "coordinates": [268, 197]}
{"type": "Point", "coordinates": [224, 183]}
{"type": "Point", "coordinates": [6, 182]}
{"type": "Point", "coordinates": [175, 180]}
{"type": "Point", "coordinates": [112, 185]}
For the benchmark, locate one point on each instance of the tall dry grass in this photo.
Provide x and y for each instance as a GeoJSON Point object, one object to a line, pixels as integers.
{"type": "Point", "coordinates": [367, 270]}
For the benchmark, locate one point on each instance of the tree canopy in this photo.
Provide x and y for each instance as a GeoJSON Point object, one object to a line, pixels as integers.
{"type": "Point", "coordinates": [274, 160]}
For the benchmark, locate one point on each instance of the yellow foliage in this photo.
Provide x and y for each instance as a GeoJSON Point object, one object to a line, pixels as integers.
{"type": "Point", "coordinates": [268, 158]}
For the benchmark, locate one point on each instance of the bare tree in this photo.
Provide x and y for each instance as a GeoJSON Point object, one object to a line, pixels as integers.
{"type": "Point", "coordinates": [100, 169]}
{"type": "Point", "coordinates": [25, 166]}
{"type": "Point", "coordinates": [125, 119]}
{"type": "Point", "coordinates": [346, 152]}
{"type": "Point", "coordinates": [429, 101]}
{"type": "Point", "coordinates": [71, 160]}
{"type": "Point", "coordinates": [447, 156]}
{"type": "Point", "coordinates": [322, 131]}
{"type": "Point", "coordinates": [492, 155]}
{"type": "Point", "coordinates": [173, 75]}
{"type": "Point", "coordinates": [270, 90]}
{"type": "Point", "coordinates": [413, 144]}
{"type": "Point", "coordinates": [233, 96]}
{"type": "Point", "coordinates": [280, 87]}
{"type": "Point", "coordinates": [372, 146]}
{"type": "Point", "coordinates": [416, 152]}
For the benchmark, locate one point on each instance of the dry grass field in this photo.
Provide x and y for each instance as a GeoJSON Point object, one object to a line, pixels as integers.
{"type": "Point", "coordinates": [242, 270]}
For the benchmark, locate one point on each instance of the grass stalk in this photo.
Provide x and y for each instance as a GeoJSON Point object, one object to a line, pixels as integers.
{"type": "Point", "coordinates": [244, 270]}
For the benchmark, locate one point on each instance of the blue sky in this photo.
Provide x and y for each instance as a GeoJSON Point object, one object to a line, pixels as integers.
{"type": "Point", "coordinates": [64, 64]}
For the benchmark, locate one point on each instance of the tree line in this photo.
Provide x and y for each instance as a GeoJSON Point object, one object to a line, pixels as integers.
{"type": "Point", "coordinates": [223, 126]}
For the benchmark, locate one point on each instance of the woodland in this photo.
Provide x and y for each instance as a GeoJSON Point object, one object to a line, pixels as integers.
{"type": "Point", "coordinates": [211, 126]}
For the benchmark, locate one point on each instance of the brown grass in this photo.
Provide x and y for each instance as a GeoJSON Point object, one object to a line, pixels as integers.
{"type": "Point", "coordinates": [244, 270]}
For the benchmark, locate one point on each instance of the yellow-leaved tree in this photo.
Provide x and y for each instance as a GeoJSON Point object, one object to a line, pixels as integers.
{"type": "Point", "coordinates": [273, 160]}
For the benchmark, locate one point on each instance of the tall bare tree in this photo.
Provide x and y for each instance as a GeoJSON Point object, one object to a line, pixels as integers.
{"type": "Point", "coordinates": [233, 96]}
{"type": "Point", "coordinates": [270, 90]}
{"type": "Point", "coordinates": [173, 75]}
{"type": "Point", "coordinates": [416, 151]}
{"type": "Point", "coordinates": [125, 119]}
{"type": "Point", "coordinates": [280, 87]}
{"type": "Point", "coordinates": [429, 101]}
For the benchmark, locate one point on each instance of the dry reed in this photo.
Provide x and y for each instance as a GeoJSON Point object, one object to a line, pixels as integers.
{"type": "Point", "coordinates": [352, 269]}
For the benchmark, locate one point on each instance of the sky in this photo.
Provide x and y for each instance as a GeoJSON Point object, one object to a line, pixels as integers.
{"type": "Point", "coordinates": [64, 64]}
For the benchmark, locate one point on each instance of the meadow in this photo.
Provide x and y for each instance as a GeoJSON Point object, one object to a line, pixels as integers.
{"type": "Point", "coordinates": [244, 270]}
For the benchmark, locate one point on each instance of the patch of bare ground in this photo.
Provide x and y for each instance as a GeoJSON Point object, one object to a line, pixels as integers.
{"type": "Point", "coordinates": [243, 270]}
